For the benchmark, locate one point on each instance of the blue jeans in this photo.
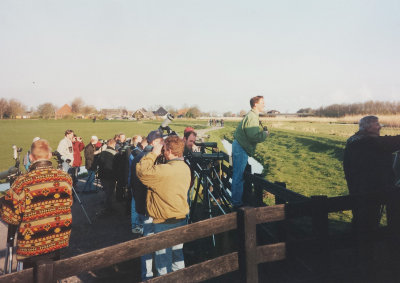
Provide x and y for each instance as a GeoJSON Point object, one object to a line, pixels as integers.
{"type": "Point", "coordinates": [147, 259]}
{"type": "Point", "coordinates": [169, 259]}
{"type": "Point", "coordinates": [135, 219]}
{"type": "Point", "coordinates": [90, 180]}
{"type": "Point", "coordinates": [239, 159]}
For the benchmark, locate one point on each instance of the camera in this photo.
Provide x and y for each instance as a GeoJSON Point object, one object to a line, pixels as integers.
{"type": "Point", "coordinates": [57, 157]}
{"type": "Point", "coordinates": [164, 125]}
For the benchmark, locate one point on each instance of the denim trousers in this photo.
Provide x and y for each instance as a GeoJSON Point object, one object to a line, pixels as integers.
{"type": "Point", "coordinates": [239, 160]}
{"type": "Point", "coordinates": [169, 259]}
{"type": "Point", "coordinates": [135, 219]}
{"type": "Point", "coordinates": [89, 181]}
{"type": "Point", "coordinates": [147, 259]}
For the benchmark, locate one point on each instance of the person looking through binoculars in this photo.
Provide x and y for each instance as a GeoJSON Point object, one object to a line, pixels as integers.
{"type": "Point", "coordinates": [248, 133]}
{"type": "Point", "coordinates": [166, 201]}
{"type": "Point", "coordinates": [39, 203]}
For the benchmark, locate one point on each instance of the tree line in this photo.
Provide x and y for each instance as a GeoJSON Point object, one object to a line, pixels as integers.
{"type": "Point", "coordinates": [365, 108]}
{"type": "Point", "coordinates": [12, 108]}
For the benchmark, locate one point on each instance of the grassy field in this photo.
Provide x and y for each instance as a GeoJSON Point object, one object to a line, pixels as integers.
{"type": "Point", "coordinates": [305, 154]}
{"type": "Point", "coordinates": [21, 132]}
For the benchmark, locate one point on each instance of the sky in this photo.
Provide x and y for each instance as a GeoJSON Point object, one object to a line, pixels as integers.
{"type": "Point", "coordinates": [214, 54]}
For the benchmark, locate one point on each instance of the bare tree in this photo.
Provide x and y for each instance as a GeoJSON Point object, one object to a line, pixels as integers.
{"type": "Point", "coordinates": [46, 110]}
{"type": "Point", "coordinates": [15, 108]}
{"type": "Point", "coordinates": [3, 107]}
{"type": "Point", "coordinates": [89, 109]}
{"type": "Point", "coordinates": [77, 105]}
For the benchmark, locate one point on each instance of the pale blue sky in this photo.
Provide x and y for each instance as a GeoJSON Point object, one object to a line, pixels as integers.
{"type": "Point", "coordinates": [214, 54]}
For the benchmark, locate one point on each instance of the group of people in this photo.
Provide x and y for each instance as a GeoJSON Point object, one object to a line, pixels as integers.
{"type": "Point", "coordinates": [151, 174]}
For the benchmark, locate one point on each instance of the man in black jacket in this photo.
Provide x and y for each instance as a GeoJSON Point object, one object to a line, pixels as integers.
{"type": "Point", "coordinates": [367, 166]}
{"type": "Point", "coordinates": [90, 163]}
{"type": "Point", "coordinates": [107, 173]}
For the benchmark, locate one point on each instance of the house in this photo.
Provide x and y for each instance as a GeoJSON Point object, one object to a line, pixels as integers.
{"type": "Point", "coordinates": [65, 110]}
{"type": "Point", "coordinates": [143, 114]}
{"type": "Point", "coordinates": [111, 112]}
{"type": "Point", "coordinates": [182, 113]}
{"type": "Point", "coordinates": [160, 113]}
{"type": "Point", "coordinates": [273, 112]}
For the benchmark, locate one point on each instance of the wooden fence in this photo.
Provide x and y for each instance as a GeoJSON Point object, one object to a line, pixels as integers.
{"type": "Point", "coordinates": [249, 254]}
{"type": "Point", "coordinates": [245, 259]}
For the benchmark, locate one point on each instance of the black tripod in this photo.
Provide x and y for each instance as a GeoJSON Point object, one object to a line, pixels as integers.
{"type": "Point", "coordinates": [75, 194]}
{"type": "Point", "coordinates": [213, 190]}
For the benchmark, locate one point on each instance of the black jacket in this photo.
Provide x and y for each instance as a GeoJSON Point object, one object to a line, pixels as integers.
{"type": "Point", "coordinates": [368, 162]}
{"type": "Point", "coordinates": [107, 168]}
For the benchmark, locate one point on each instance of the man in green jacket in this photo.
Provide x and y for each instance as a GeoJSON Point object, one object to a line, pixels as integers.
{"type": "Point", "coordinates": [166, 201]}
{"type": "Point", "coordinates": [247, 135]}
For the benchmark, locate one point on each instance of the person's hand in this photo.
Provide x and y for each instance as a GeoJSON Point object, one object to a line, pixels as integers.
{"type": "Point", "coordinates": [157, 148]}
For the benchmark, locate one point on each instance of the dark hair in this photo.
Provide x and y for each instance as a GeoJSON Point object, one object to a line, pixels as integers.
{"type": "Point", "coordinates": [175, 144]}
{"type": "Point", "coordinates": [67, 132]}
{"type": "Point", "coordinates": [254, 100]}
{"type": "Point", "coordinates": [186, 135]}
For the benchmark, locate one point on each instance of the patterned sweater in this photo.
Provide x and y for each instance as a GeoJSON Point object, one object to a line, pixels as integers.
{"type": "Point", "coordinates": [39, 202]}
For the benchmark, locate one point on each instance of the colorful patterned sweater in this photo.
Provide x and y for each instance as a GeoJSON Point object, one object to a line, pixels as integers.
{"type": "Point", "coordinates": [39, 202]}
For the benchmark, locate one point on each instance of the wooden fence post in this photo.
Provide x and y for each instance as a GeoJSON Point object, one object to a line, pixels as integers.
{"type": "Point", "coordinates": [320, 230]}
{"type": "Point", "coordinates": [43, 271]}
{"type": "Point", "coordinates": [393, 222]}
{"type": "Point", "coordinates": [247, 236]}
{"type": "Point", "coordinates": [258, 191]}
{"type": "Point", "coordinates": [247, 186]}
{"type": "Point", "coordinates": [281, 225]}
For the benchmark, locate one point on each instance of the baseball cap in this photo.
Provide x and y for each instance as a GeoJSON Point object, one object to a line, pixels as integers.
{"type": "Point", "coordinates": [153, 135]}
{"type": "Point", "coordinates": [188, 129]}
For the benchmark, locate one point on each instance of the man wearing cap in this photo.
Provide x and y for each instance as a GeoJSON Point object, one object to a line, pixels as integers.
{"type": "Point", "coordinates": [90, 164]}
{"type": "Point", "coordinates": [139, 190]}
{"type": "Point", "coordinates": [189, 138]}
{"type": "Point", "coordinates": [247, 135]}
{"type": "Point", "coordinates": [166, 201]}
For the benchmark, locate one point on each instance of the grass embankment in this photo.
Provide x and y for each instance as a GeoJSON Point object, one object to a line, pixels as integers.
{"type": "Point", "coordinates": [307, 156]}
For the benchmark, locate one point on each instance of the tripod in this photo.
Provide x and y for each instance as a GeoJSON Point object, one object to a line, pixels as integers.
{"type": "Point", "coordinates": [213, 189]}
{"type": "Point", "coordinates": [76, 196]}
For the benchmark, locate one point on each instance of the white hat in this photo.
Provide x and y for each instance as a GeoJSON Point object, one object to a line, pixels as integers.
{"type": "Point", "coordinates": [35, 139]}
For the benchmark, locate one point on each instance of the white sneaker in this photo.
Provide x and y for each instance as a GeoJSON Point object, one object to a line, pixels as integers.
{"type": "Point", "coordinates": [137, 230]}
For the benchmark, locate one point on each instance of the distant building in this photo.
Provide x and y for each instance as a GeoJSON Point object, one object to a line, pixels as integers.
{"type": "Point", "coordinates": [143, 114]}
{"type": "Point", "coordinates": [160, 113]}
{"type": "Point", "coordinates": [182, 113]}
{"type": "Point", "coordinates": [273, 112]}
{"type": "Point", "coordinates": [65, 110]}
{"type": "Point", "coordinates": [111, 112]}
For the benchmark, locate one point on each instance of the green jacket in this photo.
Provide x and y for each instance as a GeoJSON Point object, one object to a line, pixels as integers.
{"type": "Point", "coordinates": [249, 133]}
{"type": "Point", "coordinates": [168, 187]}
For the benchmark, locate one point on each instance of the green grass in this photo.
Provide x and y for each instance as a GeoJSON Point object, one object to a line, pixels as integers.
{"type": "Point", "coordinates": [21, 132]}
{"type": "Point", "coordinates": [307, 156]}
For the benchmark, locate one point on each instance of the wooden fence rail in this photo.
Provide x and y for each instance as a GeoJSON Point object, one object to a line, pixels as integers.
{"type": "Point", "coordinates": [246, 259]}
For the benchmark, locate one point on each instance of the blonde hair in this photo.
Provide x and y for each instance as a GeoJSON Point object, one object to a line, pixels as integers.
{"type": "Point", "coordinates": [40, 149]}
